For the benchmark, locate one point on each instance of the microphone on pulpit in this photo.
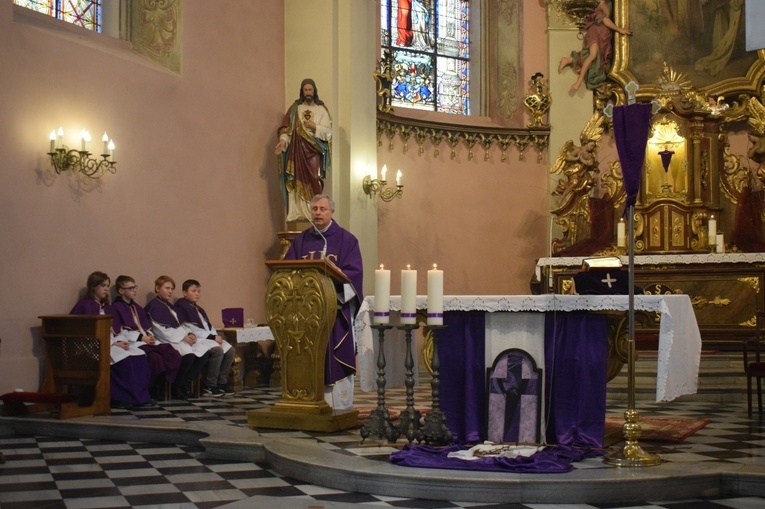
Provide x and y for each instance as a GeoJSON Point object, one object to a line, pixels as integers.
{"type": "Point", "coordinates": [324, 250]}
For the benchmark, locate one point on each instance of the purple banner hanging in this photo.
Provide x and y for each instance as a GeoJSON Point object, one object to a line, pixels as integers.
{"type": "Point", "coordinates": [631, 125]}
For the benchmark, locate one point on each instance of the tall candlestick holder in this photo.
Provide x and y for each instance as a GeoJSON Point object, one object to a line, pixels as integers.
{"type": "Point", "coordinates": [379, 418]}
{"type": "Point", "coordinates": [435, 430]}
{"type": "Point", "coordinates": [409, 425]}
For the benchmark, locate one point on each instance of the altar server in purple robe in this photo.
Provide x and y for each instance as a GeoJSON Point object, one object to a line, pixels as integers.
{"type": "Point", "coordinates": [133, 324]}
{"type": "Point", "coordinates": [129, 367]}
{"type": "Point", "coordinates": [167, 326]}
{"type": "Point", "coordinates": [194, 318]}
{"type": "Point", "coordinates": [327, 238]}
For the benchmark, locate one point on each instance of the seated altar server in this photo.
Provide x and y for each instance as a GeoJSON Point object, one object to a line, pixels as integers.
{"type": "Point", "coordinates": [326, 237]}
{"type": "Point", "coordinates": [194, 317]}
{"type": "Point", "coordinates": [167, 325]}
{"type": "Point", "coordinates": [133, 324]}
{"type": "Point", "coordinates": [129, 367]}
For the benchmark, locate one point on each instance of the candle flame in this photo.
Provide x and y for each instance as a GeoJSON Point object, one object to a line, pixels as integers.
{"type": "Point", "coordinates": [382, 266]}
{"type": "Point", "coordinates": [408, 266]}
{"type": "Point", "coordinates": [435, 266]}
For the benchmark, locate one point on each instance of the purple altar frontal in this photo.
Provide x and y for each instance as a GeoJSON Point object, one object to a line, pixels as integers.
{"type": "Point", "coordinates": [560, 333]}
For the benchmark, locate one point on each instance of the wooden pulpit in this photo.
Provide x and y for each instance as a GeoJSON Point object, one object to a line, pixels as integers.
{"type": "Point", "coordinates": [301, 306]}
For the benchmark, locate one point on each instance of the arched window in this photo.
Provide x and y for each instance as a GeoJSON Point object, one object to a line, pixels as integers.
{"type": "Point", "coordinates": [84, 13]}
{"type": "Point", "coordinates": [427, 42]}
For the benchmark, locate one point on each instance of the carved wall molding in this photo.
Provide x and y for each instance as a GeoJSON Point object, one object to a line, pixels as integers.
{"type": "Point", "coordinates": [156, 27]}
{"type": "Point", "coordinates": [390, 126]}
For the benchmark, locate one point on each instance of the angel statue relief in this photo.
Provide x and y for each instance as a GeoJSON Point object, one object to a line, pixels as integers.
{"type": "Point", "coordinates": [593, 61]}
{"type": "Point", "coordinates": [587, 220]}
{"type": "Point", "coordinates": [579, 165]}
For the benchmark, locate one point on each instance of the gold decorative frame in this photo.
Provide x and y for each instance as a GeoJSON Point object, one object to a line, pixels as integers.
{"type": "Point", "coordinates": [743, 73]}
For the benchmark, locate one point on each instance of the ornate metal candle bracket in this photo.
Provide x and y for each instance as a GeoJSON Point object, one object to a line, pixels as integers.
{"type": "Point", "coordinates": [65, 159]}
{"type": "Point", "coordinates": [379, 418]}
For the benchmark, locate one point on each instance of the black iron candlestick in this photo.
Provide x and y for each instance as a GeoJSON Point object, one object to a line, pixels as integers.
{"type": "Point", "coordinates": [435, 430]}
{"type": "Point", "coordinates": [410, 418]}
{"type": "Point", "coordinates": [379, 418]}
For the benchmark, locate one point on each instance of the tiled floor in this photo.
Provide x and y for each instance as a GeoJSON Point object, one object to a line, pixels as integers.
{"type": "Point", "coordinates": [48, 472]}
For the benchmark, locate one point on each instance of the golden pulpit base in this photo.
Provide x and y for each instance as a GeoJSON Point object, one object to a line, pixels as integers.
{"type": "Point", "coordinates": [301, 306]}
{"type": "Point", "coordinates": [294, 419]}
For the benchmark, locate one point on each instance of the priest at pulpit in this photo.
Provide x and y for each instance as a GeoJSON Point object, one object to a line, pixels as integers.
{"type": "Point", "coordinates": [325, 239]}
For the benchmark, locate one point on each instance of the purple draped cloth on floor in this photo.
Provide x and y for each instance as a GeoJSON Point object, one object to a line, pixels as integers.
{"type": "Point", "coordinates": [575, 370]}
{"type": "Point", "coordinates": [551, 460]}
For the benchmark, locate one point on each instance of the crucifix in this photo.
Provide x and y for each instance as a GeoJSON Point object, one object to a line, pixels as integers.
{"type": "Point", "coordinates": [608, 280]}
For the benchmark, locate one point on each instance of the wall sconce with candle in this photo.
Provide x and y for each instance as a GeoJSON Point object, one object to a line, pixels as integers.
{"type": "Point", "coordinates": [373, 186]}
{"type": "Point", "coordinates": [65, 159]}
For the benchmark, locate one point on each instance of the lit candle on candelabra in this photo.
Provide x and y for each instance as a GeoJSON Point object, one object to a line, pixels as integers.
{"type": "Point", "coordinates": [621, 234]}
{"type": "Point", "coordinates": [712, 230]}
{"type": "Point", "coordinates": [382, 295]}
{"type": "Point", "coordinates": [408, 296]}
{"type": "Point", "coordinates": [105, 139]}
{"type": "Point", "coordinates": [398, 178]}
{"type": "Point", "coordinates": [383, 172]}
{"type": "Point", "coordinates": [60, 137]}
{"type": "Point", "coordinates": [435, 296]}
{"type": "Point", "coordinates": [111, 149]}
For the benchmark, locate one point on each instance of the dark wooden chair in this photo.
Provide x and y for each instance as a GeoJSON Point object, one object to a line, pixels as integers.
{"type": "Point", "coordinates": [754, 362]}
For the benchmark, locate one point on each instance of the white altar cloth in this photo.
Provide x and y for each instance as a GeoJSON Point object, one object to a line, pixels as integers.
{"type": "Point", "coordinates": [679, 337]}
{"type": "Point", "coordinates": [253, 334]}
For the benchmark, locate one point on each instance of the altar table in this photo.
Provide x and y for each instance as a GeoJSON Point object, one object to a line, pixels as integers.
{"type": "Point", "coordinates": [487, 325]}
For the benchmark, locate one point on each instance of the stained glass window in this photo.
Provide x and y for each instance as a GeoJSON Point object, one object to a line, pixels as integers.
{"type": "Point", "coordinates": [428, 45]}
{"type": "Point", "coordinates": [84, 13]}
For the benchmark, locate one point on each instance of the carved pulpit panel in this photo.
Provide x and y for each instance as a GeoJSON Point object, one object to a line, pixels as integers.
{"type": "Point", "coordinates": [300, 309]}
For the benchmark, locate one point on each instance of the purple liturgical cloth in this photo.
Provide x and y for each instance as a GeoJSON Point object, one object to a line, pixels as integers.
{"type": "Point", "coordinates": [128, 378]}
{"type": "Point", "coordinates": [188, 312]}
{"type": "Point", "coordinates": [164, 360]}
{"type": "Point", "coordinates": [550, 460]}
{"type": "Point", "coordinates": [131, 316]}
{"type": "Point", "coordinates": [342, 250]}
{"type": "Point", "coordinates": [162, 312]}
{"type": "Point", "coordinates": [575, 376]}
{"type": "Point", "coordinates": [87, 307]}
{"type": "Point", "coordinates": [631, 123]}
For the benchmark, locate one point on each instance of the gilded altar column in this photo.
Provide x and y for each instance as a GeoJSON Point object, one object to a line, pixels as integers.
{"type": "Point", "coordinates": [696, 127]}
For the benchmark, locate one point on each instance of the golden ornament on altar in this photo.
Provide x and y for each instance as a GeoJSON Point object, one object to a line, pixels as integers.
{"type": "Point", "coordinates": [538, 101]}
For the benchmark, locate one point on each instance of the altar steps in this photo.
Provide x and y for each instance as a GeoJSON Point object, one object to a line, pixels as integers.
{"type": "Point", "coordinates": [721, 378]}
